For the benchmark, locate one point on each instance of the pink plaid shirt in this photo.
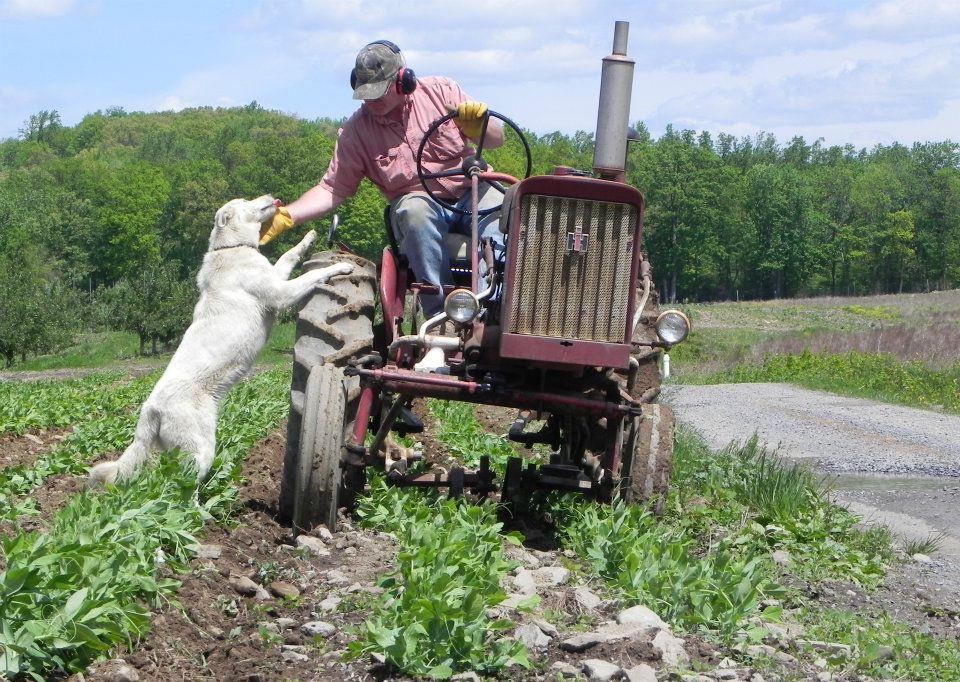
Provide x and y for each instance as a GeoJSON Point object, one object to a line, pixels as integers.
{"type": "Point", "coordinates": [385, 149]}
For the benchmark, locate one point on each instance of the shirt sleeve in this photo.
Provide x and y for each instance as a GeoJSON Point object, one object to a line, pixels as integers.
{"type": "Point", "coordinates": [346, 168]}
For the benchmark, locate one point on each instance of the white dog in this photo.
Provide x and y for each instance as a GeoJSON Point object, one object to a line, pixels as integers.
{"type": "Point", "coordinates": [240, 292]}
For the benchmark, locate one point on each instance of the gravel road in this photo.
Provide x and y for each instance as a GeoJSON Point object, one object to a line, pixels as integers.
{"type": "Point", "coordinates": [896, 465]}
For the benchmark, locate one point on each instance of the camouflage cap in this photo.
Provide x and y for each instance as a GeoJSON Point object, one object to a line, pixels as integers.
{"type": "Point", "coordinates": [376, 69]}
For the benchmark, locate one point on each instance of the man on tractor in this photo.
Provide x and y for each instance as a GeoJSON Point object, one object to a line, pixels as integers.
{"type": "Point", "coordinates": [380, 142]}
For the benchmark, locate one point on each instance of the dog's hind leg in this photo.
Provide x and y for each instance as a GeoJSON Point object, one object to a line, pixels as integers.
{"type": "Point", "coordinates": [144, 442]}
{"type": "Point", "coordinates": [193, 432]}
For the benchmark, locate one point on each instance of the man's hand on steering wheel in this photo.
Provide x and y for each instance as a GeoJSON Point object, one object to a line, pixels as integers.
{"type": "Point", "coordinates": [470, 118]}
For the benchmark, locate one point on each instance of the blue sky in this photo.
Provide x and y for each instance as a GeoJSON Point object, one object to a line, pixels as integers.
{"type": "Point", "coordinates": [859, 72]}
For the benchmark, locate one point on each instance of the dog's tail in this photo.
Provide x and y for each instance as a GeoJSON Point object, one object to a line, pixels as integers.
{"type": "Point", "coordinates": [144, 442]}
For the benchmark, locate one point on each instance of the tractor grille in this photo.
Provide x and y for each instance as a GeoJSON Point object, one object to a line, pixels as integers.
{"type": "Point", "coordinates": [573, 283]}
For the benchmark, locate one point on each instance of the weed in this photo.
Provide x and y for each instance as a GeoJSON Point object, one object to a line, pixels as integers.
{"type": "Point", "coordinates": [465, 436]}
{"type": "Point", "coordinates": [928, 545]}
{"type": "Point", "coordinates": [876, 312]}
{"type": "Point", "coordinates": [661, 567]}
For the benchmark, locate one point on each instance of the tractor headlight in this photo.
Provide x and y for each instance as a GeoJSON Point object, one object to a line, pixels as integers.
{"type": "Point", "coordinates": [672, 327]}
{"type": "Point", "coordinates": [461, 306]}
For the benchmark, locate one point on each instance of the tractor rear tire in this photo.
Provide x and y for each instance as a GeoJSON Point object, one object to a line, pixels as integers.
{"type": "Point", "coordinates": [648, 456]}
{"type": "Point", "coordinates": [318, 471]}
{"type": "Point", "coordinates": [335, 325]}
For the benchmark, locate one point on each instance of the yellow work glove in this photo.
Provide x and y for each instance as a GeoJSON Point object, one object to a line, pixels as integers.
{"type": "Point", "coordinates": [280, 223]}
{"type": "Point", "coordinates": [470, 118]}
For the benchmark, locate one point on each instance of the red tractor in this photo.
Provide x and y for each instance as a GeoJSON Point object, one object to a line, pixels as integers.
{"type": "Point", "coordinates": [565, 328]}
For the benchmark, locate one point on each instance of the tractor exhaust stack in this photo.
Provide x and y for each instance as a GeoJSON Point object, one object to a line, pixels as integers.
{"type": "Point", "coordinates": [613, 116]}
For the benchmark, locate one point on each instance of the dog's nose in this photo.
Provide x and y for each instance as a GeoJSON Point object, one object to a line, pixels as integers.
{"type": "Point", "coordinates": [277, 203]}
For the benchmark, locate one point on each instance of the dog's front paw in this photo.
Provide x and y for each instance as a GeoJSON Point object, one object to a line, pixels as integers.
{"type": "Point", "coordinates": [307, 241]}
{"type": "Point", "coordinates": [334, 270]}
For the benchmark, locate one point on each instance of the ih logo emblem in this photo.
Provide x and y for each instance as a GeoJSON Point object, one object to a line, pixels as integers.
{"type": "Point", "coordinates": [577, 241]}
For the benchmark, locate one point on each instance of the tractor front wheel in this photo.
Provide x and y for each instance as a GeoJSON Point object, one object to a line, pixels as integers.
{"type": "Point", "coordinates": [334, 325]}
{"type": "Point", "coordinates": [317, 473]}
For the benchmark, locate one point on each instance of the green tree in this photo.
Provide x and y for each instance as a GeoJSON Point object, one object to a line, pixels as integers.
{"type": "Point", "coordinates": [36, 310]}
{"type": "Point", "coordinates": [155, 305]}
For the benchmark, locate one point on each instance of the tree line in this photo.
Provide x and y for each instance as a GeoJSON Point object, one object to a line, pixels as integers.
{"type": "Point", "coordinates": [104, 224]}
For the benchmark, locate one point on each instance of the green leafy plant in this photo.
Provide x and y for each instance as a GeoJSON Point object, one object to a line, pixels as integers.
{"type": "Point", "coordinates": [69, 595]}
{"type": "Point", "coordinates": [432, 620]}
{"type": "Point", "coordinates": [460, 430]}
{"type": "Point", "coordinates": [885, 649]}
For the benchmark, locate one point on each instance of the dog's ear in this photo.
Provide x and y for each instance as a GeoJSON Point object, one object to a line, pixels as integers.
{"type": "Point", "coordinates": [224, 216]}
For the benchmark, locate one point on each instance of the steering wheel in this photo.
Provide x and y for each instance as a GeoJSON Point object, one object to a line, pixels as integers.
{"type": "Point", "coordinates": [471, 164]}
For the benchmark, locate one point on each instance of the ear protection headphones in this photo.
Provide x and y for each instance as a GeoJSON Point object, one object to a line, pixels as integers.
{"type": "Point", "coordinates": [406, 79]}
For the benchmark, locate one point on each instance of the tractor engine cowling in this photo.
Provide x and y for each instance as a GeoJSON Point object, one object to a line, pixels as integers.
{"type": "Point", "coordinates": [572, 266]}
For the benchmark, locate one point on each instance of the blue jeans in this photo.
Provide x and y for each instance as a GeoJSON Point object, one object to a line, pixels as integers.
{"type": "Point", "coordinates": [421, 226]}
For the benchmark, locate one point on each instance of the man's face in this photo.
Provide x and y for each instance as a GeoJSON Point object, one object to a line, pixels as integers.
{"type": "Point", "coordinates": [383, 105]}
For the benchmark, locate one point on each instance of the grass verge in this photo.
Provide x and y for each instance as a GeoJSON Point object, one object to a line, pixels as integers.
{"type": "Point", "coordinates": [866, 375]}
{"type": "Point", "coordinates": [707, 564]}
{"type": "Point", "coordinates": [884, 649]}
{"type": "Point", "coordinates": [69, 595]}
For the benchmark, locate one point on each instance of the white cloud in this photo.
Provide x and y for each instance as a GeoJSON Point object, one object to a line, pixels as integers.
{"type": "Point", "coordinates": [34, 9]}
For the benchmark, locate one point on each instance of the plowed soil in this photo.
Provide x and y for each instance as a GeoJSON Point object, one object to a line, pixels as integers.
{"type": "Point", "coordinates": [17, 450]}
{"type": "Point", "coordinates": [220, 635]}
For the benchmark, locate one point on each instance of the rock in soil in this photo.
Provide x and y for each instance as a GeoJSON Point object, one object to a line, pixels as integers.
{"type": "Point", "coordinates": [548, 629]}
{"type": "Point", "coordinates": [582, 642]}
{"type": "Point", "coordinates": [124, 674]}
{"type": "Point", "coordinates": [468, 676]}
{"type": "Point", "coordinates": [600, 671]}
{"type": "Point", "coordinates": [281, 589]}
{"type": "Point", "coordinates": [245, 587]}
{"type": "Point", "coordinates": [313, 544]}
{"type": "Point", "coordinates": [329, 604]}
{"type": "Point", "coordinates": [209, 551]}
{"type": "Point", "coordinates": [564, 669]}
{"type": "Point", "coordinates": [782, 557]}
{"type": "Point", "coordinates": [586, 599]}
{"type": "Point", "coordinates": [318, 628]}
{"type": "Point", "coordinates": [551, 576]}
{"type": "Point", "coordinates": [641, 673]}
{"type": "Point", "coordinates": [641, 615]}
{"type": "Point", "coordinates": [525, 582]}
{"type": "Point", "coordinates": [671, 649]}
{"type": "Point", "coordinates": [294, 657]}
{"type": "Point", "coordinates": [828, 648]}
{"type": "Point", "coordinates": [532, 636]}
